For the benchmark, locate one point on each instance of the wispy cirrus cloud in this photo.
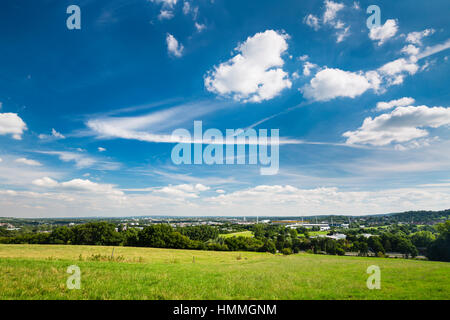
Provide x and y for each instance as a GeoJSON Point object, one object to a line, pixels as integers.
{"type": "Point", "coordinates": [83, 160]}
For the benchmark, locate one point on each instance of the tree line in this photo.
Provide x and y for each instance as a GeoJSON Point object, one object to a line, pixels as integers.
{"type": "Point", "coordinates": [267, 238]}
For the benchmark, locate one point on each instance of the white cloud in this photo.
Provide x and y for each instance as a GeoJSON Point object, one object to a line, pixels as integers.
{"type": "Point", "coordinates": [173, 46]}
{"type": "Point", "coordinates": [89, 186]}
{"type": "Point", "coordinates": [410, 49]}
{"type": "Point", "coordinates": [416, 37]}
{"type": "Point", "coordinates": [101, 149]}
{"type": "Point", "coordinates": [342, 33]}
{"type": "Point", "coordinates": [402, 102]}
{"type": "Point", "coordinates": [136, 128]}
{"type": "Point", "coordinates": [58, 135]}
{"type": "Point", "coordinates": [28, 162]}
{"type": "Point", "coordinates": [288, 200]}
{"type": "Point", "coordinates": [11, 123]}
{"type": "Point", "coordinates": [384, 32]}
{"type": "Point", "coordinates": [307, 66]}
{"type": "Point", "coordinates": [79, 185]}
{"type": "Point", "coordinates": [45, 182]}
{"type": "Point", "coordinates": [401, 125]}
{"type": "Point", "coordinates": [312, 21]}
{"type": "Point", "coordinates": [165, 15]}
{"type": "Point", "coordinates": [55, 135]}
{"type": "Point", "coordinates": [394, 71]}
{"type": "Point", "coordinates": [186, 7]}
{"type": "Point", "coordinates": [200, 27]}
{"type": "Point", "coordinates": [189, 9]}
{"type": "Point", "coordinates": [331, 9]}
{"type": "Point", "coordinates": [166, 3]}
{"type": "Point", "coordinates": [82, 160]}
{"type": "Point", "coordinates": [329, 19]}
{"type": "Point", "coordinates": [183, 191]}
{"type": "Point", "coordinates": [303, 57]}
{"type": "Point", "coordinates": [255, 73]}
{"type": "Point", "coordinates": [434, 49]}
{"type": "Point", "coordinates": [398, 66]}
{"type": "Point", "coordinates": [331, 83]}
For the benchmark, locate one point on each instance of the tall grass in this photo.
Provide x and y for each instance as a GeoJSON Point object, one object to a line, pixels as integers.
{"type": "Point", "coordinates": [39, 272]}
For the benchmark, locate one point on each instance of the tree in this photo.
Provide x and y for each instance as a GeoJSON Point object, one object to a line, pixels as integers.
{"type": "Point", "coordinates": [363, 249]}
{"type": "Point", "coordinates": [375, 245]}
{"type": "Point", "coordinates": [269, 246]}
{"type": "Point", "coordinates": [439, 249]}
{"type": "Point", "coordinates": [96, 233]}
{"type": "Point", "coordinates": [163, 236]}
{"type": "Point", "coordinates": [200, 233]}
{"type": "Point", "coordinates": [62, 235]}
{"type": "Point", "coordinates": [422, 239]}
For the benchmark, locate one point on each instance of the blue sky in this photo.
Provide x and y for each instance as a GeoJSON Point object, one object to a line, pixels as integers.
{"type": "Point", "coordinates": [85, 114]}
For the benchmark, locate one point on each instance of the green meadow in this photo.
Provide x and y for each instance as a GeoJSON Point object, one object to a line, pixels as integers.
{"type": "Point", "coordinates": [247, 234]}
{"type": "Point", "coordinates": [39, 272]}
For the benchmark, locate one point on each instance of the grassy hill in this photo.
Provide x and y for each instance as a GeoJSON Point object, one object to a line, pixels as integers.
{"type": "Point", "coordinates": [39, 272]}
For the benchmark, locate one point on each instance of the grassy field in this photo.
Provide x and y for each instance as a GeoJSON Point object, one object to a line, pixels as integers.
{"type": "Point", "coordinates": [247, 234]}
{"type": "Point", "coordinates": [317, 233]}
{"type": "Point", "coordinates": [39, 272]}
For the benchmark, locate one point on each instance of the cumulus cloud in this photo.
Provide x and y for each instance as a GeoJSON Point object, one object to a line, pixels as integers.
{"type": "Point", "coordinates": [80, 185]}
{"type": "Point", "coordinates": [307, 67]}
{"type": "Point", "coordinates": [183, 190]}
{"type": "Point", "coordinates": [401, 125]}
{"type": "Point", "coordinates": [174, 48]}
{"type": "Point", "coordinates": [255, 73]}
{"type": "Point", "coordinates": [331, 9]}
{"type": "Point", "coordinates": [312, 21]}
{"type": "Point", "coordinates": [396, 70]}
{"type": "Point", "coordinates": [270, 199]}
{"type": "Point", "coordinates": [331, 83]}
{"type": "Point", "coordinates": [45, 182]}
{"type": "Point", "coordinates": [11, 123]}
{"type": "Point", "coordinates": [416, 37]}
{"type": "Point", "coordinates": [28, 162]}
{"type": "Point", "coordinates": [410, 49]}
{"type": "Point", "coordinates": [384, 32]}
{"type": "Point", "coordinates": [89, 186]}
{"type": "Point", "coordinates": [405, 101]}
